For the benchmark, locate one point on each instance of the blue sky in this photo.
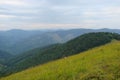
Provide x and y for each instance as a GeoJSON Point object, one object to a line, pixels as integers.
{"type": "Point", "coordinates": [54, 14]}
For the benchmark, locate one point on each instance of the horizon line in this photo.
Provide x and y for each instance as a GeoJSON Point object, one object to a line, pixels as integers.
{"type": "Point", "coordinates": [56, 29]}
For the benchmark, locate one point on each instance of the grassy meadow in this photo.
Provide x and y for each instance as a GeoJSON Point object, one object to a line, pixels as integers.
{"type": "Point", "coordinates": [100, 63]}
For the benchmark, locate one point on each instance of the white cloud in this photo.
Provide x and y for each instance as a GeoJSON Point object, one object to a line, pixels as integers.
{"type": "Point", "coordinates": [31, 26]}
{"type": "Point", "coordinates": [12, 2]}
{"type": "Point", "coordinates": [6, 16]}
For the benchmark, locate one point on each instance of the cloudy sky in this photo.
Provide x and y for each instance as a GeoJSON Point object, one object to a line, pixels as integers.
{"type": "Point", "coordinates": [53, 14]}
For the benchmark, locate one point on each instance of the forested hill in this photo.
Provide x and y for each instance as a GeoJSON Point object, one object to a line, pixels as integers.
{"type": "Point", "coordinates": [39, 56]}
{"type": "Point", "coordinates": [101, 63]}
{"type": "Point", "coordinates": [4, 56]}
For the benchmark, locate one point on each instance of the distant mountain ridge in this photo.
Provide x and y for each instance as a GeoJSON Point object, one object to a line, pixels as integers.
{"type": "Point", "coordinates": [18, 41]}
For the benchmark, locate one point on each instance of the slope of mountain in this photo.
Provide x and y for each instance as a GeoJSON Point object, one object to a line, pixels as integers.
{"type": "Point", "coordinates": [19, 41]}
{"type": "Point", "coordinates": [4, 56]}
{"type": "Point", "coordinates": [9, 38]}
{"type": "Point", "coordinates": [101, 63]}
{"type": "Point", "coordinates": [53, 52]}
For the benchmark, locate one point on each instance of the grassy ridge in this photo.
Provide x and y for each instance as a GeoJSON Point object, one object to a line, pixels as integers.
{"type": "Point", "coordinates": [101, 63]}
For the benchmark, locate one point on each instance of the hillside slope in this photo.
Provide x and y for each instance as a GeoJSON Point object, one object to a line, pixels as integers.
{"type": "Point", "coordinates": [40, 56]}
{"type": "Point", "coordinates": [4, 56]}
{"type": "Point", "coordinates": [101, 63]}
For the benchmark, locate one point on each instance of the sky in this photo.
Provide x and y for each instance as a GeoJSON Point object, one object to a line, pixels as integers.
{"type": "Point", "coordinates": [59, 14]}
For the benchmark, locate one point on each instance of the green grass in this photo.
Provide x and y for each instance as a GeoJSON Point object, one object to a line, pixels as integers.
{"type": "Point", "coordinates": [100, 63]}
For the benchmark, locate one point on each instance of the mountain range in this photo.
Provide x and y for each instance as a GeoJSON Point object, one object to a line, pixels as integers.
{"type": "Point", "coordinates": [19, 41]}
